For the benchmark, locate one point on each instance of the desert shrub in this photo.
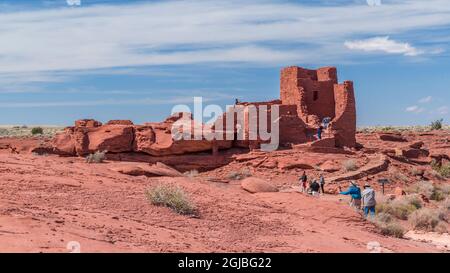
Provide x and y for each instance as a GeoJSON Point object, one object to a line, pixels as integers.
{"type": "Point", "coordinates": [37, 131]}
{"type": "Point", "coordinates": [387, 128]}
{"type": "Point", "coordinates": [191, 173]}
{"type": "Point", "coordinates": [398, 176]}
{"type": "Point", "coordinates": [387, 226]}
{"type": "Point", "coordinates": [430, 190]}
{"type": "Point", "coordinates": [445, 205]}
{"type": "Point", "coordinates": [424, 219]}
{"type": "Point", "coordinates": [383, 217]}
{"type": "Point", "coordinates": [97, 157]}
{"type": "Point", "coordinates": [400, 208]}
{"type": "Point", "coordinates": [238, 175]}
{"type": "Point", "coordinates": [437, 124]}
{"type": "Point", "coordinates": [172, 197]}
{"type": "Point", "coordinates": [443, 170]}
{"type": "Point", "coordinates": [350, 165]}
{"type": "Point", "coordinates": [441, 228]}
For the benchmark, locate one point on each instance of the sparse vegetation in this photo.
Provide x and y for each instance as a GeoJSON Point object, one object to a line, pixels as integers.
{"type": "Point", "coordinates": [25, 131]}
{"type": "Point", "coordinates": [425, 219]}
{"type": "Point", "coordinates": [400, 208]}
{"type": "Point", "coordinates": [172, 197]}
{"type": "Point", "coordinates": [191, 173]}
{"type": "Point", "coordinates": [37, 131]}
{"type": "Point", "coordinates": [443, 170]}
{"type": "Point", "coordinates": [350, 165]}
{"type": "Point", "coordinates": [239, 175]}
{"type": "Point", "coordinates": [97, 157]}
{"type": "Point", "coordinates": [437, 124]}
{"type": "Point", "coordinates": [430, 190]}
{"type": "Point", "coordinates": [388, 226]}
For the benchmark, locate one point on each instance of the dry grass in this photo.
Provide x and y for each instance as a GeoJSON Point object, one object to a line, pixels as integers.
{"type": "Point", "coordinates": [400, 208]}
{"type": "Point", "coordinates": [172, 197]}
{"type": "Point", "coordinates": [426, 219]}
{"type": "Point", "coordinates": [191, 173]}
{"type": "Point", "coordinates": [97, 157]}
{"type": "Point", "coordinates": [350, 165]}
{"type": "Point", "coordinates": [416, 128]}
{"type": "Point", "coordinates": [239, 175]}
{"type": "Point", "coordinates": [26, 131]}
{"type": "Point", "coordinates": [388, 226]}
{"type": "Point", "coordinates": [430, 190]}
{"type": "Point", "coordinates": [443, 171]}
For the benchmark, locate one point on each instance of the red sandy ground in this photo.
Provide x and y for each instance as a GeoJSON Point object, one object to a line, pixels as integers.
{"type": "Point", "coordinates": [48, 201]}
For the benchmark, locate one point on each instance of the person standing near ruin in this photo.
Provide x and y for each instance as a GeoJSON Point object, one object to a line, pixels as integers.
{"type": "Point", "coordinates": [322, 183]}
{"type": "Point", "coordinates": [303, 180]}
{"type": "Point", "coordinates": [314, 188]}
{"type": "Point", "coordinates": [355, 192]}
{"type": "Point", "coordinates": [368, 200]}
{"type": "Point", "coordinates": [319, 132]}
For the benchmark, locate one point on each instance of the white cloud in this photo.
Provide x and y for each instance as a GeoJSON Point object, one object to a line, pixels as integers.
{"type": "Point", "coordinates": [414, 109]}
{"type": "Point", "coordinates": [443, 110]}
{"type": "Point", "coordinates": [187, 32]}
{"type": "Point", "coordinates": [426, 99]}
{"type": "Point", "coordinates": [383, 44]}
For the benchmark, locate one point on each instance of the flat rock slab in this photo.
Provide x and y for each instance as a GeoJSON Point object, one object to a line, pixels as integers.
{"type": "Point", "coordinates": [255, 185]}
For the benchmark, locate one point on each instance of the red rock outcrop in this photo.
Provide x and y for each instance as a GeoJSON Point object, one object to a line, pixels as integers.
{"type": "Point", "coordinates": [307, 97]}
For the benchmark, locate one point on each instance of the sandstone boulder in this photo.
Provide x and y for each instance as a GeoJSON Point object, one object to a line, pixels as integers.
{"type": "Point", "coordinates": [111, 138]}
{"type": "Point", "coordinates": [392, 137]}
{"type": "Point", "coordinates": [330, 166]}
{"type": "Point", "coordinates": [255, 185]}
{"type": "Point", "coordinates": [288, 165]}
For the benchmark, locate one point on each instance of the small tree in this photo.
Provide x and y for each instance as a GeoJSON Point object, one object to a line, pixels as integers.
{"type": "Point", "coordinates": [437, 124]}
{"type": "Point", "coordinates": [37, 131]}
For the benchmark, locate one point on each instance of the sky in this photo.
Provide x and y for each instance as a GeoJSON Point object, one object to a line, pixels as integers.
{"type": "Point", "coordinates": [62, 60]}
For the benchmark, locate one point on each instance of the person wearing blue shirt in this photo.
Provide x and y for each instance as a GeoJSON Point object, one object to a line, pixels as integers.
{"type": "Point", "coordinates": [355, 192]}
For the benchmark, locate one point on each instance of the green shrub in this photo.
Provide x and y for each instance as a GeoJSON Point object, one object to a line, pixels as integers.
{"type": "Point", "coordinates": [97, 157]}
{"type": "Point", "coordinates": [437, 124]}
{"type": "Point", "coordinates": [172, 197]}
{"type": "Point", "coordinates": [37, 131]}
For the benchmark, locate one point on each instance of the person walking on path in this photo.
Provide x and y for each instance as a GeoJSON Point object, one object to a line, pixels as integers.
{"type": "Point", "coordinates": [314, 188]}
{"type": "Point", "coordinates": [303, 182]}
{"type": "Point", "coordinates": [319, 132]}
{"type": "Point", "coordinates": [368, 200]}
{"type": "Point", "coordinates": [322, 183]}
{"type": "Point", "coordinates": [355, 192]}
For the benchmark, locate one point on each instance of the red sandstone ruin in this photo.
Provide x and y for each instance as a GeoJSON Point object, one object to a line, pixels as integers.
{"type": "Point", "coordinates": [306, 98]}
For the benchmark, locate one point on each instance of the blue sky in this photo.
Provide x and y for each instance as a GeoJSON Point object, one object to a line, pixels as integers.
{"type": "Point", "coordinates": [105, 59]}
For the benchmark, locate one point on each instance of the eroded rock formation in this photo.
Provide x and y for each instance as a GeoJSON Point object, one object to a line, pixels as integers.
{"type": "Point", "coordinates": [307, 98]}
